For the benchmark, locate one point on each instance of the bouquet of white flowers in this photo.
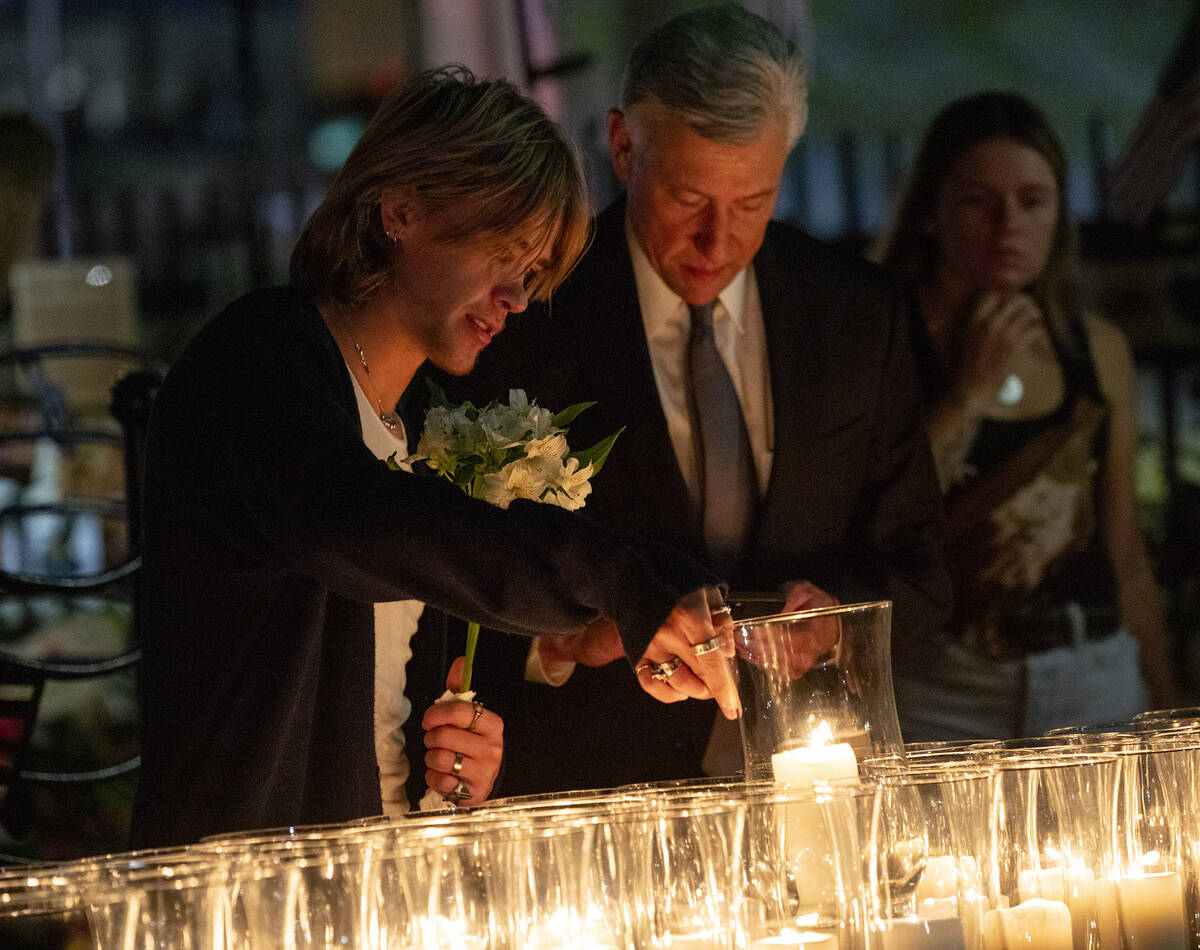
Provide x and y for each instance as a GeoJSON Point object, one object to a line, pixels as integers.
{"type": "Point", "coordinates": [503, 452]}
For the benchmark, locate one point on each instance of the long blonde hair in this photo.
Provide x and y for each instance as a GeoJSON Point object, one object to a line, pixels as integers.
{"type": "Point", "coordinates": [446, 136]}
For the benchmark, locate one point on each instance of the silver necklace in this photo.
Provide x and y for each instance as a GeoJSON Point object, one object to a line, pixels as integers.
{"type": "Point", "coordinates": [389, 419]}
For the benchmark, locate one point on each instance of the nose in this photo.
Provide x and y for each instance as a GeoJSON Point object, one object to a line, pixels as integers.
{"type": "Point", "coordinates": [712, 232]}
{"type": "Point", "coordinates": [1007, 213]}
{"type": "Point", "coordinates": [512, 296]}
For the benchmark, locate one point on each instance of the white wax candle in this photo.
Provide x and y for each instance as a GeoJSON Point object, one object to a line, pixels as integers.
{"type": "Point", "coordinates": [804, 766]}
{"type": "Point", "coordinates": [916, 933]}
{"type": "Point", "coordinates": [935, 908]}
{"type": "Point", "coordinates": [1075, 887]}
{"type": "Point", "coordinates": [1035, 924]}
{"type": "Point", "coordinates": [1141, 911]}
{"type": "Point", "coordinates": [808, 939]}
{"type": "Point", "coordinates": [940, 879]}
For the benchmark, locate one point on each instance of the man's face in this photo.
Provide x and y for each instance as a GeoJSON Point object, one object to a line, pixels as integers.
{"type": "Point", "coordinates": [698, 208]}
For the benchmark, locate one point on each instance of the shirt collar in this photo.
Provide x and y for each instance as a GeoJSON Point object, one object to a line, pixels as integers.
{"type": "Point", "coordinates": [662, 307]}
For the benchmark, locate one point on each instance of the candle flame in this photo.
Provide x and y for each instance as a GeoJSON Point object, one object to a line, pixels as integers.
{"type": "Point", "coordinates": [822, 735]}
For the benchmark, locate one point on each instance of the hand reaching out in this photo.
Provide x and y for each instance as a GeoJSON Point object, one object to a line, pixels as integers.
{"type": "Point", "coordinates": [688, 657]}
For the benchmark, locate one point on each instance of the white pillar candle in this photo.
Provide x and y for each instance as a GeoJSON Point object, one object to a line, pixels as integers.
{"type": "Point", "coordinates": [809, 848]}
{"type": "Point", "coordinates": [940, 879]}
{"type": "Point", "coordinates": [1035, 924]}
{"type": "Point", "coordinates": [1141, 911]}
{"type": "Point", "coordinates": [916, 933]}
{"type": "Point", "coordinates": [1075, 887]}
{"type": "Point", "coordinates": [804, 766]}
{"type": "Point", "coordinates": [796, 939]}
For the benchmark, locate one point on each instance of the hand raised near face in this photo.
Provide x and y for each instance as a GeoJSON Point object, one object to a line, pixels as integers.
{"type": "Point", "coordinates": [1000, 329]}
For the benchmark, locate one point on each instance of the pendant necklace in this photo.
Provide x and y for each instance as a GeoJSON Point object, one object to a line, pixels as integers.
{"type": "Point", "coordinates": [389, 419]}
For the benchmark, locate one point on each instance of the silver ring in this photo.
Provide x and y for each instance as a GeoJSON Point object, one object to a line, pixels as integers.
{"type": "Point", "coordinates": [644, 665]}
{"type": "Point", "coordinates": [478, 707]}
{"type": "Point", "coordinates": [457, 766]}
{"type": "Point", "coordinates": [665, 670]}
{"type": "Point", "coordinates": [708, 646]}
{"type": "Point", "coordinates": [460, 791]}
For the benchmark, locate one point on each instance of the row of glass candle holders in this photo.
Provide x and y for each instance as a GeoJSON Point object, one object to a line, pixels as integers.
{"type": "Point", "coordinates": [1084, 840]}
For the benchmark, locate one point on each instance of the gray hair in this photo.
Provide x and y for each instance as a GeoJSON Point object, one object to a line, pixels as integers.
{"type": "Point", "coordinates": [726, 71]}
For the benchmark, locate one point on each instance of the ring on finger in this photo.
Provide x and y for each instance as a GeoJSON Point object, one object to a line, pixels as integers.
{"type": "Point", "coordinates": [665, 670]}
{"type": "Point", "coordinates": [460, 791]}
{"type": "Point", "coordinates": [457, 766]}
{"type": "Point", "coordinates": [644, 665]}
{"type": "Point", "coordinates": [707, 646]}
{"type": "Point", "coordinates": [478, 707]}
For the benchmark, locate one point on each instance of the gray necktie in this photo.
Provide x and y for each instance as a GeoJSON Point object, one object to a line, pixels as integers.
{"type": "Point", "coordinates": [728, 488]}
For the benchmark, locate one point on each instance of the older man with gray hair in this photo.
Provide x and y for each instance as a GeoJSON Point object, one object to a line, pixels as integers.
{"type": "Point", "coordinates": [765, 385]}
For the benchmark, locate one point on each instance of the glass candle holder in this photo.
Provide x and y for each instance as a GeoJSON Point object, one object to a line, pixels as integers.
{"type": "Point", "coordinates": [816, 692]}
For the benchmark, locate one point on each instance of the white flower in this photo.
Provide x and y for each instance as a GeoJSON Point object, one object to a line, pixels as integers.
{"type": "Point", "coordinates": [551, 447]}
{"type": "Point", "coordinates": [524, 478]}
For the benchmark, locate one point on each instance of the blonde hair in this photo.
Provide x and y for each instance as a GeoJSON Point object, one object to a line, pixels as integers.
{"type": "Point", "coordinates": [447, 137]}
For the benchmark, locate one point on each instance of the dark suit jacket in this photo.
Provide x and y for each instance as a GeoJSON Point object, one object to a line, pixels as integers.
{"type": "Point", "coordinates": [852, 503]}
{"type": "Point", "coordinates": [270, 531]}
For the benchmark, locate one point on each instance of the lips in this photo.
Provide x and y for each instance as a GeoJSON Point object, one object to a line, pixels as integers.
{"type": "Point", "coordinates": [484, 331]}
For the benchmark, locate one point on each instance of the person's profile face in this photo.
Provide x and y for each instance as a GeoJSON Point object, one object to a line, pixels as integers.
{"type": "Point", "coordinates": [452, 296]}
{"type": "Point", "coordinates": [996, 216]}
{"type": "Point", "coordinates": [698, 208]}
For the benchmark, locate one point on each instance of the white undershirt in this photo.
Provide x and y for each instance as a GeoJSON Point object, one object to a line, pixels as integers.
{"type": "Point", "coordinates": [742, 343]}
{"type": "Point", "coordinates": [395, 623]}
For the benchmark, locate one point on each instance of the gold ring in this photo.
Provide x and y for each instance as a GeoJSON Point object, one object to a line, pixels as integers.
{"type": "Point", "coordinates": [644, 665]}
{"type": "Point", "coordinates": [708, 646]}
{"type": "Point", "coordinates": [478, 707]}
{"type": "Point", "coordinates": [457, 766]}
{"type": "Point", "coordinates": [665, 670]}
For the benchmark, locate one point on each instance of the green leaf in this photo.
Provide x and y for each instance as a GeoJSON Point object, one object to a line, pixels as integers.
{"type": "Point", "coordinates": [597, 453]}
{"type": "Point", "coordinates": [392, 463]}
{"type": "Point", "coordinates": [437, 395]}
{"type": "Point", "coordinates": [563, 419]}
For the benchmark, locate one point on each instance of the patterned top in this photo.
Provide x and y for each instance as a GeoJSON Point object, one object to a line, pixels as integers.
{"type": "Point", "coordinates": [1022, 527]}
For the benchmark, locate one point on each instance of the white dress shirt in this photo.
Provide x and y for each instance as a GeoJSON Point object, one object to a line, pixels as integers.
{"type": "Point", "coordinates": [742, 343]}
{"type": "Point", "coordinates": [395, 624]}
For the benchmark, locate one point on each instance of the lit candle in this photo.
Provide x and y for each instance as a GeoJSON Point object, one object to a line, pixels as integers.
{"type": "Point", "coordinates": [1144, 911]}
{"type": "Point", "coordinates": [809, 848]}
{"type": "Point", "coordinates": [1074, 886]}
{"type": "Point", "coordinates": [1035, 924]}
{"type": "Point", "coordinates": [940, 879]}
{"type": "Point", "coordinates": [805, 766]}
{"type": "Point", "coordinates": [808, 939]}
{"type": "Point", "coordinates": [916, 933]}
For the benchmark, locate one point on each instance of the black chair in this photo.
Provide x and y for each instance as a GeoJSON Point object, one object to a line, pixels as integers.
{"type": "Point", "coordinates": [23, 678]}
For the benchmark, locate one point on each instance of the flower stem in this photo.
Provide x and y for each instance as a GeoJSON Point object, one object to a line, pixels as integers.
{"type": "Point", "coordinates": [472, 639]}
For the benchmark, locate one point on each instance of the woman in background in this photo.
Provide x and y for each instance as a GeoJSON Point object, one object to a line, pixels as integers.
{"type": "Point", "coordinates": [1031, 402]}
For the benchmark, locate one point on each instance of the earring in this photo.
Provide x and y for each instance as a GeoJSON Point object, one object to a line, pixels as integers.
{"type": "Point", "coordinates": [392, 236]}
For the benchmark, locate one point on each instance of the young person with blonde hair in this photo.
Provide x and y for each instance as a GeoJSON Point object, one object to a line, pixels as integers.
{"type": "Point", "coordinates": [285, 564]}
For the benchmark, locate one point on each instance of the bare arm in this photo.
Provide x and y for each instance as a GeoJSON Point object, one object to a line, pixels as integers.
{"type": "Point", "coordinates": [1139, 598]}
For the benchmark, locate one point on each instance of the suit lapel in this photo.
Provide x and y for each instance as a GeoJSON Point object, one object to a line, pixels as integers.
{"type": "Point", "coordinates": [614, 358]}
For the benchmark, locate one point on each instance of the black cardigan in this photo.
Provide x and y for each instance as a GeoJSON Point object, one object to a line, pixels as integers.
{"type": "Point", "coordinates": [270, 531]}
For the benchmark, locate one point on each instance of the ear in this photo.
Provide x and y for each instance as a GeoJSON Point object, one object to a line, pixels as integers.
{"type": "Point", "coordinates": [397, 212]}
{"type": "Point", "coordinates": [620, 145]}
